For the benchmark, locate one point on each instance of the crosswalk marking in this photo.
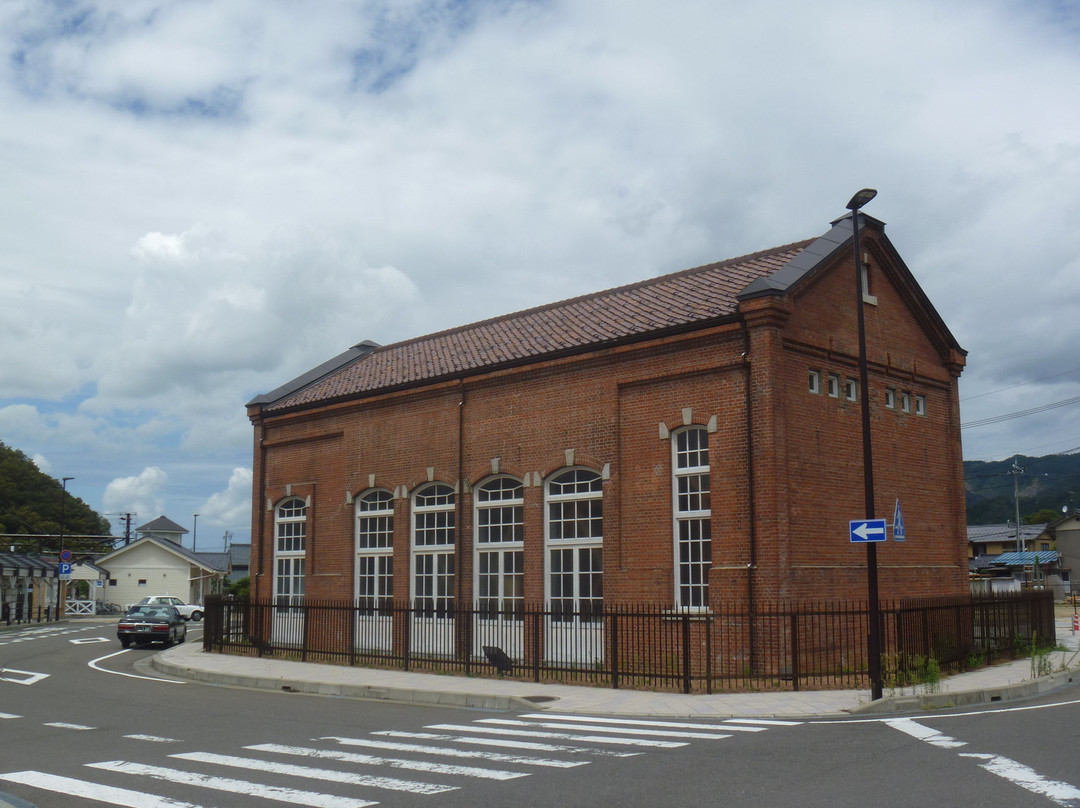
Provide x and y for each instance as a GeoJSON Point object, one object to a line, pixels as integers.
{"type": "Point", "coordinates": [288, 795]}
{"type": "Point", "coordinates": [311, 773]}
{"type": "Point", "coordinates": [498, 757]}
{"type": "Point", "coordinates": [94, 792]}
{"type": "Point", "coordinates": [151, 738]}
{"type": "Point", "coordinates": [395, 763]}
{"type": "Point", "coordinates": [508, 743]}
{"type": "Point", "coordinates": [666, 733]}
{"type": "Point", "coordinates": [66, 725]}
{"type": "Point", "coordinates": [523, 741]}
{"type": "Point", "coordinates": [588, 719]}
{"type": "Point", "coordinates": [768, 722]}
{"type": "Point", "coordinates": [564, 736]}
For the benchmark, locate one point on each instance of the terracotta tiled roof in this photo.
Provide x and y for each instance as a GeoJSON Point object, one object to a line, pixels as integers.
{"type": "Point", "coordinates": [683, 299]}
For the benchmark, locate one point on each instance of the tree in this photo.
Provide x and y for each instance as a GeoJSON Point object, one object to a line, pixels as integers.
{"type": "Point", "coordinates": [32, 502]}
{"type": "Point", "coordinates": [1043, 517]}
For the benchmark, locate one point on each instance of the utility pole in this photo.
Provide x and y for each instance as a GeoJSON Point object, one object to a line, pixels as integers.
{"type": "Point", "coordinates": [1016, 471]}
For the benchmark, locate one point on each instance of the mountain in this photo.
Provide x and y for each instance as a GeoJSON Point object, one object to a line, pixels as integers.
{"type": "Point", "coordinates": [30, 503]}
{"type": "Point", "coordinates": [1045, 484]}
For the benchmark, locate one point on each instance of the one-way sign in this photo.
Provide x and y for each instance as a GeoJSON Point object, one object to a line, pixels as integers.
{"type": "Point", "coordinates": [863, 530]}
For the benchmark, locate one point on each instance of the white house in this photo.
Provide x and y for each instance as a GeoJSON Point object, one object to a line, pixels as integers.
{"type": "Point", "coordinates": [159, 566]}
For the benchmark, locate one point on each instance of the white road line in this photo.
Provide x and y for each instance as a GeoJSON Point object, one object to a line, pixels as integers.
{"type": "Point", "coordinates": [93, 663]}
{"type": "Point", "coordinates": [768, 722]}
{"type": "Point", "coordinates": [331, 775]}
{"type": "Point", "coordinates": [9, 715]}
{"type": "Point", "coordinates": [498, 757]}
{"type": "Point", "coordinates": [663, 733]}
{"type": "Point", "coordinates": [152, 738]}
{"type": "Point", "coordinates": [65, 725]}
{"type": "Point", "coordinates": [508, 743]}
{"type": "Point", "coordinates": [930, 736]}
{"type": "Point", "coordinates": [1063, 794]}
{"type": "Point", "coordinates": [22, 677]}
{"type": "Point", "coordinates": [289, 795]}
{"type": "Point", "coordinates": [93, 792]}
{"type": "Point", "coordinates": [641, 723]}
{"type": "Point", "coordinates": [562, 736]}
{"type": "Point", "coordinates": [394, 763]}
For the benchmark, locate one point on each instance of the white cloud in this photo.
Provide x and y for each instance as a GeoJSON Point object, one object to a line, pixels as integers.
{"type": "Point", "coordinates": [141, 494]}
{"type": "Point", "coordinates": [233, 505]}
{"type": "Point", "coordinates": [42, 463]}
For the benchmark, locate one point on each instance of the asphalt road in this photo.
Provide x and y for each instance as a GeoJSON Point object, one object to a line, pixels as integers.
{"type": "Point", "coordinates": [84, 723]}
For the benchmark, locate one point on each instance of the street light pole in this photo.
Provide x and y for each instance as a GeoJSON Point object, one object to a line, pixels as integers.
{"type": "Point", "coordinates": [874, 640]}
{"type": "Point", "coordinates": [195, 533]}
{"type": "Point", "coordinates": [63, 503]}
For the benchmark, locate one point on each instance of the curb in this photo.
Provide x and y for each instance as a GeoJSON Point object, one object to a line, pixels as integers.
{"type": "Point", "coordinates": [919, 702]}
{"type": "Point", "coordinates": [431, 698]}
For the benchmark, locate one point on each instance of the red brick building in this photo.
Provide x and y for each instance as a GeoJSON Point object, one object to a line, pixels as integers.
{"type": "Point", "coordinates": [688, 440]}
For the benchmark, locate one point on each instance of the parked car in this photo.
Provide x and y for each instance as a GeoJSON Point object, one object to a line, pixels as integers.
{"type": "Point", "coordinates": [155, 623]}
{"type": "Point", "coordinates": [189, 611]}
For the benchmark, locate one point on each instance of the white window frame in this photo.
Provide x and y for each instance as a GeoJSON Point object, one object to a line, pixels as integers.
{"type": "Point", "coordinates": [290, 548]}
{"type": "Point", "coordinates": [833, 385]}
{"type": "Point", "coordinates": [692, 515]}
{"type": "Point", "coordinates": [851, 389]}
{"type": "Point", "coordinates": [814, 381]}
{"type": "Point", "coordinates": [920, 405]}
{"type": "Point", "coordinates": [905, 401]}
{"type": "Point", "coordinates": [374, 537]}
{"type": "Point", "coordinates": [576, 496]}
{"type": "Point", "coordinates": [432, 585]}
{"type": "Point", "coordinates": [498, 547]}
{"type": "Point", "coordinates": [890, 398]}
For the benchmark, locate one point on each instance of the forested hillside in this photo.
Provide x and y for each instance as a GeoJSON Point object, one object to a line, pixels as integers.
{"type": "Point", "coordinates": [30, 503]}
{"type": "Point", "coordinates": [1046, 485]}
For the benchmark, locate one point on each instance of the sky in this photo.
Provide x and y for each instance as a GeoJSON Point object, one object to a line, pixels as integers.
{"type": "Point", "coordinates": [202, 199]}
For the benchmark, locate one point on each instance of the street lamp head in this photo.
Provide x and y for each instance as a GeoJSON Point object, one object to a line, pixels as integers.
{"type": "Point", "coordinates": [861, 198]}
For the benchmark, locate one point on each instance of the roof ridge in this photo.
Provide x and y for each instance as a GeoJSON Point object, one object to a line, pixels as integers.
{"type": "Point", "coordinates": [459, 329]}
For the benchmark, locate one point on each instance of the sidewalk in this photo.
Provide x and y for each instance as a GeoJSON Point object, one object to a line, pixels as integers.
{"type": "Point", "coordinates": [999, 683]}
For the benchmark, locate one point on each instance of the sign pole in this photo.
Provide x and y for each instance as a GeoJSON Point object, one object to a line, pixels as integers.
{"type": "Point", "coordinates": [874, 639]}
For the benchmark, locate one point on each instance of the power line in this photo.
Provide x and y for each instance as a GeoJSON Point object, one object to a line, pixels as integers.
{"type": "Point", "coordinates": [1022, 384]}
{"type": "Point", "coordinates": [1020, 413]}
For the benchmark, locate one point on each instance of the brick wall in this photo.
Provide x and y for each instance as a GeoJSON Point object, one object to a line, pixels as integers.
{"type": "Point", "coordinates": [786, 464]}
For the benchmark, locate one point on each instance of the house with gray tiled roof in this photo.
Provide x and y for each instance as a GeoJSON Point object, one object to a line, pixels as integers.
{"type": "Point", "coordinates": [689, 440]}
{"type": "Point", "coordinates": [157, 563]}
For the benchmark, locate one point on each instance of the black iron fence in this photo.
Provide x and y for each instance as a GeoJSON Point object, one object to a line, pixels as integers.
{"type": "Point", "coordinates": [784, 646]}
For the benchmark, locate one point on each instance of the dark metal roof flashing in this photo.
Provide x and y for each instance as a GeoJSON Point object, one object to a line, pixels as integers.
{"type": "Point", "coordinates": [354, 354]}
{"type": "Point", "coordinates": [813, 255]}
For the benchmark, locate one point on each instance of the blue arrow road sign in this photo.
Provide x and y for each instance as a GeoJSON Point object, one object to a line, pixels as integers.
{"type": "Point", "coordinates": [899, 533]}
{"type": "Point", "coordinates": [863, 530]}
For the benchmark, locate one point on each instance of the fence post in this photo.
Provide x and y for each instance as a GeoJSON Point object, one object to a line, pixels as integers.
{"type": "Point", "coordinates": [537, 623]}
{"type": "Point", "coordinates": [795, 651]}
{"type": "Point", "coordinates": [406, 612]}
{"type": "Point", "coordinates": [614, 655]}
{"type": "Point", "coordinates": [686, 650]}
{"type": "Point", "coordinates": [708, 653]}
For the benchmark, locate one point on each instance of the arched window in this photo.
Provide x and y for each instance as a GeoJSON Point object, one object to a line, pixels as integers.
{"type": "Point", "coordinates": [693, 516]}
{"type": "Point", "coordinates": [433, 537]}
{"type": "Point", "coordinates": [500, 559]}
{"type": "Point", "coordinates": [374, 549]}
{"type": "Point", "coordinates": [575, 538]}
{"type": "Point", "coordinates": [290, 538]}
